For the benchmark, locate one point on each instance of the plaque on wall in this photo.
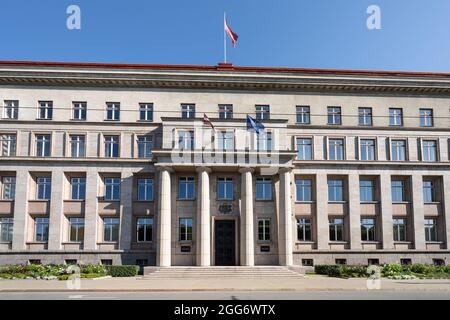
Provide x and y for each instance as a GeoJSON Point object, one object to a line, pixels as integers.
{"type": "Point", "coordinates": [185, 249]}
{"type": "Point", "coordinates": [225, 208]}
{"type": "Point", "coordinates": [265, 248]}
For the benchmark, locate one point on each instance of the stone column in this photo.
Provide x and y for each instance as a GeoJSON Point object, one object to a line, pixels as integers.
{"type": "Point", "coordinates": [91, 211]}
{"type": "Point", "coordinates": [203, 222]}
{"type": "Point", "coordinates": [20, 226]}
{"type": "Point", "coordinates": [56, 210]}
{"type": "Point", "coordinates": [354, 211]}
{"type": "Point", "coordinates": [126, 209]}
{"type": "Point", "coordinates": [386, 211]}
{"type": "Point", "coordinates": [163, 254]}
{"type": "Point", "coordinates": [446, 208]}
{"type": "Point", "coordinates": [417, 208]}
{"type": "Point", "coordinates": [285, 219]}
{"type": "Point", "coordinates": [247, 238]}
{"type": "Point", "coordinates": [322, 223]}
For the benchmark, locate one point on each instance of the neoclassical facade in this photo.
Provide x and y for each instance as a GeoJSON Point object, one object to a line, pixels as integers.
{"type": "Point", "coordinates": [114, 164]}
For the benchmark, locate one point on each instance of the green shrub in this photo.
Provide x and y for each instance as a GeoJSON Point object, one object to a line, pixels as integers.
{"type": "Point", "coordinates": [93, 269]}
{"type": "Point", "coordinates": [392, 270]}
{"type": "Point", "coordinates": [342, 271]}
{"type": "Point", "coordinates": [6, 276]}
{"type": "Point", "coordinates": [122, 271]}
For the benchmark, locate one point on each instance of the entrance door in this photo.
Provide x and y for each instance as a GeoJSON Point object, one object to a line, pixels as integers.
{"type": "Point", "coordinates": [225, 254]}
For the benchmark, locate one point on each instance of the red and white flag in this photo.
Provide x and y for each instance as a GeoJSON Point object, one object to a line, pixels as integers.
{"type": "Point", "coordinates": [233, 36]}
{"type": "Point", "coordinates": [207, 122]}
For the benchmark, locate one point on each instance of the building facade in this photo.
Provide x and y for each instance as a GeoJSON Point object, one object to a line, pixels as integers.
{"type": "Point", "coordinates": [114, 164]}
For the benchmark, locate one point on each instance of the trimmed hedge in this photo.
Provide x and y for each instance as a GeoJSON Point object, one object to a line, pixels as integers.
{"type": "Point", "coordinates": [123, 271]}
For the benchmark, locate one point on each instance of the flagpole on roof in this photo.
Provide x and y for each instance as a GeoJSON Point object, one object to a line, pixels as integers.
{"type": "Point", "coordinates": [224, 38]}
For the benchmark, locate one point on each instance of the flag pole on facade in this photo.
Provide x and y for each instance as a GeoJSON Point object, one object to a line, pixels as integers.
{"type": "Point", "coordinates": [224, 38]}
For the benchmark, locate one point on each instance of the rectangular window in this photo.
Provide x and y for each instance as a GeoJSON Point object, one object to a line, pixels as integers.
{"type": "Point", "coordinates": [76, 229]}
{"type": "Point", "coordinates": [144, 229]}
{"type": "Point", "coordinates": [6, 229]}
{"type": "Point", "coordinates": [398, 190]}
{"type": "Point", "coordinates": [41, 229]}
{"type": "Point", "coordinates": [225, 188]}
{"type": "Point", "coordinates": [43, 145]}
{"type": "Point", "coordinates": [335, 190]}
{"type": "Point", "coordinates": [264, 141]}
{"type": "Point", "coordinates": [368, 229]}
{"type": "Point", "coordinates": [336, 149]}
{"type": "Point", "coordinates": [398, 150]}
{"type": "Point", "coordinates": [303, 115]}
{"type": "Point", "coordinates": [112, 189]}
{"type": "Point", "coordinates": [426, 117]}
{"type": "Point", "coordinates": [303, 189]}
{"type": "Point", "coordinates": [187, 111]}
{"type": "Point", "coordinates": [336, 229]}
{"type": "Point", "coordinates": [111, 146]}
{"type": "Point", "coordinates": [263, 189]}
{"type": "Point", "coordinates": [186, 188]}
{"type": "Point", "coordinates": [78, 188]}
{"type": "Point", "coordinates": [365, 116]}
{"type": "Point", "coordinates": [367, 190]}
{"type": "Point", "coordinates": [8, 145]}
{"type": "Point", "coordinates": [145, 189]}
{"type": "Point", "coordinates": [113, 111]}
{"type": "Point", "coordinates": [264, 229]}
{"type": "Point", "coordinates": [429, 194]}
{"type": "Point", "coordinates": [429, 150]}
{"type": "Point", "coordinates": [367, 149]}
{"type": "Point", "coordinates": [44, 188]}
{"type": "Point", "coordinates": [334, 115]}
{"type": "Point", "coordinates": [395, 117]}
{"type": "Point", "coordinates": [430, 230]}
{"type": "Point", "coordinates": [11, 109]}
{"type": "Point", "coordinates": [399, 229]}
{"type": "Point", "coordinates": [77, 146]}
{"type": "Point", "coordinates": [111, 228]}
{"type": "Point", "coordinates": [262, 112]}
{"type": "Point", "coordinates": [225, 111]}
{"type": "Point", "coordinates": [185, 229]}
{"type": "Point", "coordinates": [146, 111]}
{"type": "Point", "coordinates": [304, 232]}
{"type": "Point", "coordinates": [79, 110]}
{"type": "Point", "coordinates": [225, 140]}
{"type": "Point", "coordinates": [304, 149]}
{"type": "Point", "coordinates": [186, 140]}
{"type": "Point", "coordinates": [45, 111]}
{"type": "Point", "coordinates": [145, 146]}
{"type": "Point", "coordinates": [8, 188]}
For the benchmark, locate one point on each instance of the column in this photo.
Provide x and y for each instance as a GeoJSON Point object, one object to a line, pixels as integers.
{"type": "Point", "coordinates": [354, 211]}
{"type": "Point", "coordinates": [203, 219]}
{"type": "Point", "coordinates": [20, 226]}
{"type": "Point", "coordinates": [126, 209]}
{"type": "Point", "coordinates": [247, 237]}
{"type": "Point", "coordinates": [56, 210]}
{"type": "Point", "coordinates": [322, 222]}
{"type": "Point", "coordinates": [446, 207]}
{"type": "Point", "coordinates": [417, 208]}
{"type": "Point", "coordinates": [386, 211]}
{"type": "Point", "coordinates": [91, 210]}
{"type": "Point", "coordinates": [285, 219]}
{"type": "Point", "coordinates": [163, 254]}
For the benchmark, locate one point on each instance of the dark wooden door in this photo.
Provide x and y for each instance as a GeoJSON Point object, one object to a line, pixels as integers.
{"type": "Point", "coordinates": [225, 245]}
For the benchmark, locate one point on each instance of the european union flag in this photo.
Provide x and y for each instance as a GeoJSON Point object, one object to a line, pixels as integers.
{"type": "Point", "coordinates": [254, 124]}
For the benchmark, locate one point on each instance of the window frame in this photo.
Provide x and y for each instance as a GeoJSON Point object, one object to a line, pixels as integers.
{"type": "Point", "coordinates": [187, 181]}
{"type": "Point", "coordinates": [227, 182]}
{"type": "Point", "coordinates": [426, 120]}
{"type": "Point", "coordinates": [365, 113]}
{"type": "Point", "coordinates": [265, 183]}
{"type": "Point", "coordinates": [337, 229]}
{"type": "Point", "coordinates": [265, 224]}
{"type": "Point", "coordinates": [185, 236]}
{"type": "Point", "coordinates": [225, 111]}
{"type": "Point", "coordinates": [111, 227]}
{"type": "Point", "coordinates": [146, 112]}
{"type": "Point", "coordinates": [336, 148]}
{"type": "Point", "coordinates": [8, 143]}
{"type": "Point", "coordinates": [112, 111]}
{"type": "Point", "coordinates": [188, 110]}
{"type": "Point", "coordinates": [43, 145]}
{"type": "Point", "coordinates": [144, 141]}
{"type": "Point", "coordinates": [300, 188]}
{"type": "Point", "coordinates": [114, 185]}
{"type": "Point", "coordinates": [46, 184]}
{"type": "Point", "coordinates": [304, 225]}
{"type": "Point", "coordinates": [13, 106]}
{"type": "Point", "coordinates": [304, 148]}
{"type": "Point", "coordinates": [78, 184]}
{"type": "Point", "coordinates": [368, 229]}
{"type": "Point", "coordinates": [111, 146]}
{"type": "Point", "coordinates": [142, 222]}
{"type": "Point", "coordinates": [45, 110]}
{"type": "Point", "coordinates": [262, 112]}
{"type": "Point", "coordinates": [79, 109]}
{"type": "Point", "coordinates": [6, 228]}
{"type": "Point", "coordinates": [303, 113]}
{"type": "Point", "coordinates": [78, 144]}
{"type": "Point", "coordinates": [334, 115]}
{"type": "Point", "coordinates": [370, 149]}
{"type": "Point", "coordinates": [41, 224]}
{"type": "Point", "coordinates": [395, 117]}
{"type": "Point", "coordinates": [78, 224]}
{"type": "Point", "coordinates": [147, 184]}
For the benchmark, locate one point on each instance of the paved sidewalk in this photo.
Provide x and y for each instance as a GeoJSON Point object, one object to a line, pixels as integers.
{"type": "Point", "coordinates": [142, 284]}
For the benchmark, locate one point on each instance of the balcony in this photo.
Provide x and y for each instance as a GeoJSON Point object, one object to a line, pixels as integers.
{"type": "Point", "coordinates": [401, 208]}
{"type": "Point", "coordinates": [143, 208]}
{"type": "Point", "coordinates": [74, 207]}
{"type": "Point", "coordinates": [304, 208]}
{"type": "Point", "coordinates": [39, 207]}
{"type": "Point", "coordinates": [369, 208]}
{"type": "Point", "coordinates": [337, 208]}
{"type": "Point", "coordinates": [432, 209]}
{"type": "Point", "coordinates": [108, 207]}
{"type": "Point", "coordinates": [6, 207]}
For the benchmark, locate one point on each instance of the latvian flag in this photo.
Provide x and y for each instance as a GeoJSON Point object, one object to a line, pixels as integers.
{"type": "Point", "coordinates": [233, 36]}
{"type": "Point", "coordinates": [207, 122]}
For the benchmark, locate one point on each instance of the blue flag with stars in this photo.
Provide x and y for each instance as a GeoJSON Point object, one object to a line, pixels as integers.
{"type": "Point", "coordinates": [254, 124]}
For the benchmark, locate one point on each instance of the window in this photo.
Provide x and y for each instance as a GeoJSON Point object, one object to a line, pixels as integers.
{"type": "Point", "coordinates": [34, 261]}
{"type": "Point", "coordinates": [262, 112]}
{"type": "Point", "coordinates": [395, 117]}
{"type": "Point", "coordinates": [405, 262]}
{"type": "Point", "coordinates": [11, 109]}
{"type": "Point", "coordinates": [225, 111]}
{"type": "Point", "coordinates": [106, 262]}
{"type": "Point", "coordinates": [430, 230]}
{"type": "Point", "coordinates": [367, 149]}
{"type": "Point", "coordinates": [225, 140]}
{"type": "Point", "coordinates": [113, 111]}
{"type": "Point", "coordinates": [188, 111]}
{"type": "Point", "coordinates": [373, 262]}
{"type": "Point", "coordinates": [111, 229]}
{"type": "Point", "coordinates": [225, 188]}
{"type": "Point", "coordinates": [76, 229]}
{"type": "Point", "coordinates": [303, 190]}
{"type": "Point", "coordinates": [145, 146]}
{"type": "Point", "coordinates": [145, 189]}
{"type": "Point", "coordinates": [264, 141]}
{"type": "Point", "coordinates": [438, 262]}
{"type": "Point", "coordinates": [186, 140]}
{"type": "Point", "coordinates": [111, 146]}
{"type": "Point", "coordinates": [185, 229]}
{"type": "Point", "coordinates": [263, 189]}
{"type": "Point", "coordinates": [6, 229]}
{"type": "Point", "coordinates": [367, 190]}
{"type": "Point", "coordinates": [186, 188]}
{"type": "Point", "coordinates": [71, 262]}
{"type": "Point", "coordinates": [334, 115]}
{"type": "Point", "coordinates": [365, 116]}
{"type": "Point", "coordinates": [429, 150]}
{"type": "Point", "coordinates": [336, 229]}
{"type": "Point", "coordinates": [304, 229]}
{"type": "Point", "coordinates": [77, 146]}
{"type": "Point", "coordinates": [340, 261]}
{"type": "Point", "coordinates": [41, 229]}
{"type": "Point", "coordinates": [426, 117]}
{"type": "Point", "coordinates": [146, 111]}
{"type": "Point", "coordinates": [45, 110]}
{"type": "Point", "coordinates": [264, 229]}
{"type": "Point", "coordinates": [44, 186]}
{"type": "Point", "coordinates": [303, 115]}
{"type": "Point", "coordinates": [399, 229]}
{"type": "Point", "coordinates": [78, 188]}
{"type": "Point", "coordinates": [8, 145]}
{"type": "Point", "coordinates": [335, 190]}
{"type": "Point", "coordinates": [112, 189]}
{"type": "Point", "coordinates": [304, 149]}
{"type": "Point", "coordinates": [398, 150]}
{"type": "Point", "coordinates": [336, 149]}
{"type": "Point", "coordinates": [398, 191]}
{"type": "Point", "coordinates": [144, 229]}
{"type": "Point", "coordinates": [79, 110]}
{"type": "Point", "coordinates": [428, 191]}
{"type": "Point", "coordinates": [308, 262]}
{"type": "Point", "coordinates": [43, 145]}
{"type": "Point", "coordinates": [8, 188]}
{"type": "Point", "coordinates": [368, 229]}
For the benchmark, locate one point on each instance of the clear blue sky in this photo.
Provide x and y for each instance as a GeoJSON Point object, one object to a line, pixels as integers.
{"type": "Point", "coordinates": [415, 34]}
